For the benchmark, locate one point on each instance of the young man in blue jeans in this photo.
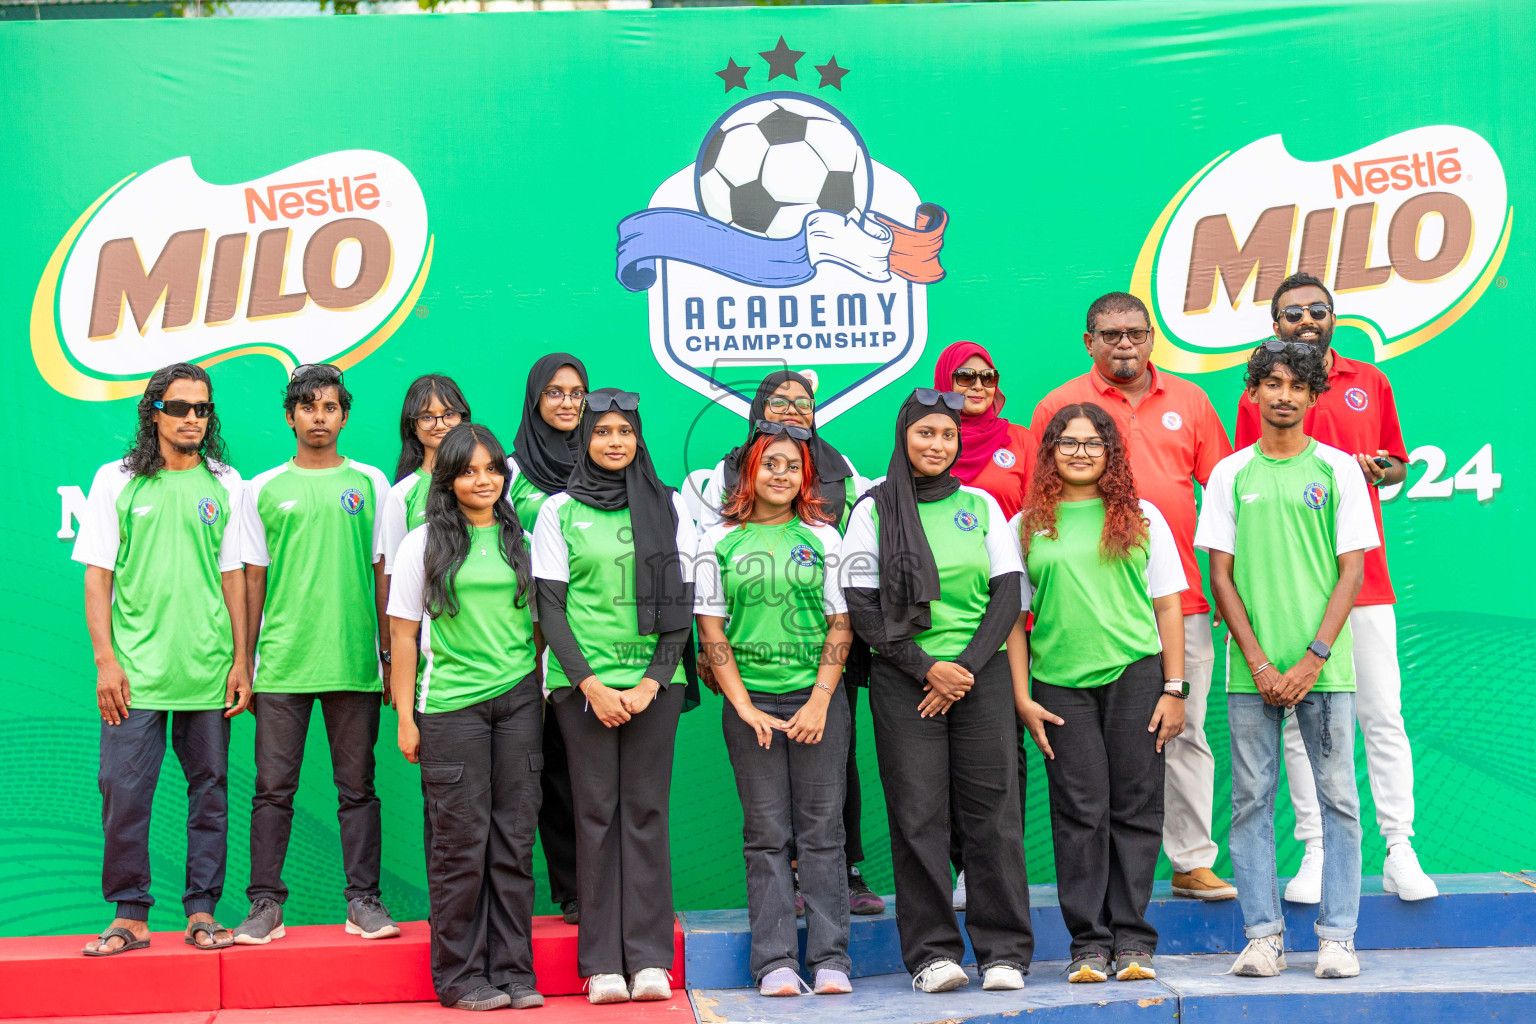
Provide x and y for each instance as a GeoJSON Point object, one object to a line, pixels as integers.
{"type": "Point", "coordinates": [1287, 522]}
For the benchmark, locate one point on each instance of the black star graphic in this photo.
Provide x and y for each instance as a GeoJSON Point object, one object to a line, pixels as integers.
{"type": "Point", "coordinates": [734, 75]}
{"type": "Point", "coordinates": [831, 74]}
{"type": "Point", "coordinates": [781, 60]}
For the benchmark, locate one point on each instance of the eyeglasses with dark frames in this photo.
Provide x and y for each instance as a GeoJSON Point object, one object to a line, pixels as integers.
{"type": "Point", "coordinates": [554, 396]}
{"type": "Point", "coordinates": [178, 410]}
{"type": "Point", "coordinates": [780, 403]}
{"type": "Point", "coordinates": [1137, 335]}
{"type": "Point", "coordinates": [1069, 446]}
{"type": "Point", "coordinates": [1318, 311]}
{"type": "Point", "coordinates": [451, 418]}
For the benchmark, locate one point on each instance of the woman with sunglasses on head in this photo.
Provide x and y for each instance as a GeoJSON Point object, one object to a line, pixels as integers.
{"type": "Point", "coordinates": [462, 596]}
{"type": "Point", "coordinates": [773, 623]}
{"type": "Point", "coordinates": [433, 406]}
{"type": "Point", "coordinates": [613, 563]}
{"type": "Point", "coordinates": [1107, 655]}
{"type": "Point", "coordinates": [998, 455]}
{"type": "Point", "coordinates": [540, 465]}
{"type": "Point", "coordinates": [931, 573]}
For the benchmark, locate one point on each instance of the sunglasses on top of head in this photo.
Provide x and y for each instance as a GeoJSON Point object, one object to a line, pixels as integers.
{"type": "Point", "coordinates": [794, 430]}
{"type": "Point", "coordinates": [1277, 346]}
{"type": "Point", "coordinates": [967, 377]}
{"type": "Point", "coordinates": [320, 371]}
{"type": "Point", "coordinates": [953, 400]}
{"type": "Point", "coordinates": [626, 401]}
{"type": "Point", "coordinates": [178, 410]}
{"type": "Point", "coordinates": [1318, 311]}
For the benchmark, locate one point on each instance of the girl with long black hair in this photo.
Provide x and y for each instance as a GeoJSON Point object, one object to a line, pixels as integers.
{"type": "Point", "coordinates": [773, 623]}
{"type": "Point", "coordinates": [462, 585]}
{"type": "Point", "coordinates": [932, 575]}
{"type": "Point", "coordinates": [1107, 656]}
{"type": "Point", "coordinates": [433, 406]}
{"type": "Point", "coordinates": [613, 562]}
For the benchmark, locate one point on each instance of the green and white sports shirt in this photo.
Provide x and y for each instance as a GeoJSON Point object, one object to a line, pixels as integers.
{"type": "Point", "coordinates": [775, 587]}
{"type": "Point", "coordinates": [593, 551]}
{"type": "Point", "coordinates": [712, 496]}
{"type": "Point", "coordinates": [526, 498]}
{"type": "Point", "coordinates": [405, 508]}
{"type": "Point", "coordinates": [167, 539]}
{"type": "Point", "coordinates": [971, 543]}
{"type": "Point", "coordinates": [484, 650]}
{"type": "Point", "coordinates": [1285, 522]}
{"type": "Point", "coordinates": [318, 533]}
{"type": "Point", "coordinates": [1094, 618]}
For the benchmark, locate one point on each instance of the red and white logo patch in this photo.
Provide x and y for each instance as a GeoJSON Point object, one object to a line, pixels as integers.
{"type": "Point", "coordinates": [1357, 399]}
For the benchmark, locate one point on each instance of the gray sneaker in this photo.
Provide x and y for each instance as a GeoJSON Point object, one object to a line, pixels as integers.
{"type": "Point", "coordinates": [367, 917]}
{"type": "Point", "coordinates": [524, 997]}
{"type": "Point", "coordinates": [263, 924]}
{"type": "Point", "coordinates": [483, 998]}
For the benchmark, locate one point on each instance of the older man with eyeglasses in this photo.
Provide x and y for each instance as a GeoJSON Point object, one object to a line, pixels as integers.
{"type": "Point", "coordinates": [1175, 440]}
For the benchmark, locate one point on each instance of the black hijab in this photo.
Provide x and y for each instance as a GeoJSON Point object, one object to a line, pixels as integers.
{"type": "Point", "coordinates": [909, 576]}
{"type": "Point", "coordinates": [831, 467]}
{"type": "Point", "coordinates": [544, 454]}
{"type": "Point", "coordinates": [661, 603]}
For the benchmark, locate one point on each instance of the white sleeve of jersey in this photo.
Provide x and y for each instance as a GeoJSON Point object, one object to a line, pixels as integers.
{"type": "Point", "coordinates": [381, 492]}
{"type": "Point", "coordinates": [832, 600]}
{"type": "Point", "coordinates": [98, 539]}
{"type": "Point", "coordinates": [708, 588]}
{"type": "Point", "coordinates": [1026, 586]}
{"type": "Point", "coordinates": [253, 532]}
{"type": "Point", "coordinates": [711, 497]}
{"type": "Point", "coordinates": [1165, 572]}
{"type": "Point", "coordinates": [392, 524]}
{"type": "Point", "coordinates": [1217, 528]}
{"type": "Point", "coordinates": [1356, 526]}
{"type": "Point", "coordinates": [407, 585]}
{"type": "Point", "coordinates": [860, 484]}
{"type": "Point", "coordinates": [232, 546]}
{"type": "Point", "coordinates": [861, 550]}
{"type": "Point", "coordinates": [1002, 543]}
{"type": "Point", "coordinates": [687, 538]}
{"type": "Point", "coordinates": [551, 555]}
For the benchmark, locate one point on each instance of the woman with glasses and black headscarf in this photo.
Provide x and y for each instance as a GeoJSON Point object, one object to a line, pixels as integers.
{"type": "Point", "coordinates": [613, 564]}
{"type": "Point", "coordinates": [932, 573]}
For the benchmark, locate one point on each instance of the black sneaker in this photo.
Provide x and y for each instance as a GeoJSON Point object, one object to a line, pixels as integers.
{"type": "Point", "coordinates": [799, 897]}
{"type": "Point", "coordinates": [263, 924]}
{"type": "Point", "coordinates": [570, 912]}
{"type": "Point", "coordinates": [862, 899]}
{"type": "Point", "coordinates": [524, 997]}
{"type": "Point", "coordinates": [366, 916]}
{"type": "Point", "coordinates": [483, 998]}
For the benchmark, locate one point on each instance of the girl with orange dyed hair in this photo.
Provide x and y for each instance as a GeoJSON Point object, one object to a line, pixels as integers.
{"type": "Point", "coordinates": [1103, 578]}
{"type": "Point", "coordinates": [773, 624]}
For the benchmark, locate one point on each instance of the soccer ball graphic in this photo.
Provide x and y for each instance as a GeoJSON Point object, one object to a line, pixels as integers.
{"type": "Point", "coordinates": [773, 160]}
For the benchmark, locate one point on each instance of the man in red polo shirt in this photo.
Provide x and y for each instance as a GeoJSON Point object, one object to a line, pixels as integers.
{"type": "Point", "coordinates": [1357, 415]}
{"type": "Point", "coordinates": [1175, 438]}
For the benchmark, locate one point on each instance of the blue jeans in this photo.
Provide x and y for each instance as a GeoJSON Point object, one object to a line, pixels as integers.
{"type": "Point", "coordinates": [1327, 722]}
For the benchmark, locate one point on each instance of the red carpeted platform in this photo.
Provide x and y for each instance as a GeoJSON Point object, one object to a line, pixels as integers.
{"type": "Point", "coordinates": [558, 1010]}
{"type": "Point", "coordinates": [313, 965]}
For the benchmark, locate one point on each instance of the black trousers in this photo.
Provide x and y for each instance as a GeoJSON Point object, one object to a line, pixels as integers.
{"type": "Point", "coordinates": [557, 814]}
{"type": "Point", "coordinates": [853, 803]}
{"type": "Point", "coordinates": [956, 854]}
{"type": "Point", "coordinates": [622, 780]}
{"type": "Point", "coordinates": [1106, 786]}
{"type": "Point", "coordinates": [956, 771]}
{"type": "Point", "coordinates": [351, 729]}
{"type": "Point", "coordinates": [480, 769]}
{"type": "Point", "coordinates": [131, 754]}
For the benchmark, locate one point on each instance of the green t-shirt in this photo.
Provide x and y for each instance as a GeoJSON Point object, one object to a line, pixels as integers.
{"type": "Point", "coordinates": [527, 499]}
{"type": "Point", "coordinates": [167, 539]}
{"type": "Point", "coordinates": [971, 543]}
{"type": "Point", "coordinates": [484, 650]}
{"type": "Point", "coordinates": [405, 508]}
{"type": "Point", "coordinates": [1094, 618]}
{"type": "Point", "coordinates": [1285, 522]}
{"type": "Point", "coordinates": [712, 495]}
{"type": "Point", "coordinates": [775, 587]}
{"type": "Point", "coordinates": [592, 551]}
{"type": "Point", "coordinates": [318, 533]}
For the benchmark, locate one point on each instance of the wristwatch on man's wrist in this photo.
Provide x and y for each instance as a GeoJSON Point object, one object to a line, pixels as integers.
{"type": "Point", "coordinates": [1176, 688]}
{"type": "Point", "coordinates": [1320, 649]}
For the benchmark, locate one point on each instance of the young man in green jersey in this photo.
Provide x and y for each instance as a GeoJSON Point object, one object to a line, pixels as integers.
{"type": "Point", "coordinates": [165, 606]}
{"type": "Point", "coordinates": [1287, 523]}
{"type": "Point", "coordinates": [315, 593]}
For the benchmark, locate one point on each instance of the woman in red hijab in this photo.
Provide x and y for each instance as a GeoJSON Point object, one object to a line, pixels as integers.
{"type": "Point", "coordinates": [995, 455]}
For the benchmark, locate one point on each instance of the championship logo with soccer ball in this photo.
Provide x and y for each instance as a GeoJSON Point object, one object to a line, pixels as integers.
{"type": "Point", "coordinates": [784, 243]}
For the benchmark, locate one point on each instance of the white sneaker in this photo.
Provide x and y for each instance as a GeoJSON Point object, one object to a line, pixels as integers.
{"type": "Point", "coordinates": [1401, 874]}
{"type": "Point", "coordinates": [1307, 886]}
{"type": "Point", "coordinates": [941, 976]}
{"type": "Point", "coordinates": [650, 985]}
{"type": "Point", "coordinates": [957, 898]}
{"type": "Point", "coordinates": [1262, 958]}
{"type": "Point", "coordinates": [1002, 978]}
{"type": "Point", "coordinates": [607, 988]}
{"type": "Point", "coordinates": [1337, 959]}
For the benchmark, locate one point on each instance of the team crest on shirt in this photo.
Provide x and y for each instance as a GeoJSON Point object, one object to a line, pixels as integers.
{"type": "Point", "coordinates": [352, 500]}
{"type": "Point", "coordinates": [966, 520]}
{"type": "Point", "coordinates": [1172, 420]}
{"type": "Point", "coordinates": [1004, 458]}
{"type": "Point", "coordinates": [208, 511]}
{"type": "Point", "coordinates": [1315, 495]}
{"type": "Point", "coordinates": [803, 555]}
{"type": "Point", "coordinates": [1357, 399]}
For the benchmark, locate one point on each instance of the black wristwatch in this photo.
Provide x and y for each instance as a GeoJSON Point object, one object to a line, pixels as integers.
{"type": "Point", "coordinates": [1320, 649]}
{"type": "Point", "coordinates": [1176, 688]}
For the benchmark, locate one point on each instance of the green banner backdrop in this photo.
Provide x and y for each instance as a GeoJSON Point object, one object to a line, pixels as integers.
{"type": "Point", "coordinates": [840, 189]}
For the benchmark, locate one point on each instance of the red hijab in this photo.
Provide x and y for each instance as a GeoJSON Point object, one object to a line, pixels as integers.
{"type": "Point", "coordinates": [980, 435]}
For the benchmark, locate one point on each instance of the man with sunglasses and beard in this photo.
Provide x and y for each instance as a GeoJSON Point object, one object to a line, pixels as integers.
{"type": "Point", "coordinates": [1287, 524]}
{"type": "Point", "coordinates": [1175, 440]}
{"type": "Point", "coordinates": [1357, 414]}
{"type": "Point", "coordinates": [165, 607]}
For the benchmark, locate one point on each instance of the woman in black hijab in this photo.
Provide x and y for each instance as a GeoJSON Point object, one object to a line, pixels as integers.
{"type": "Point", "coordinates": [613, 567]}
{"type": "Point", "coordinates": [932, 577]}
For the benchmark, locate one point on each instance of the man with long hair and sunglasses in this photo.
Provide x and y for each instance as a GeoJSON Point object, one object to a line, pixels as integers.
{"type": "Point", "coordinates": [314, 563]}
{"type": "Point", "coordinates": [1175, 439]}
{"type": "Point", "coordinates": [1357, 414]}
{"type": "Point", "coordinates": [1287, 523]}
{"type": "Point", "coordinates": [165, 607]}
